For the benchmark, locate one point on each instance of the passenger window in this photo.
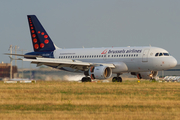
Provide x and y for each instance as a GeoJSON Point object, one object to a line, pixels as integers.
{"type": "Point", "coordinates": [160, 54]}
{"type": "Point", "coordinates": [108, 55]}
{"type": "Point", "coordinates": [104, 55]}
{"type": "Point", "coordinates": [156, 54]}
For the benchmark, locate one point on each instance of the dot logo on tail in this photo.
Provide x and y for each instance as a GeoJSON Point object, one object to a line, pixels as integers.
{"type": "Point", "coordinates": [104, 52]}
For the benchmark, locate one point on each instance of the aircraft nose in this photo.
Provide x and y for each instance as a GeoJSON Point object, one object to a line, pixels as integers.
{"type": "Point", "coordinates": [173, 62]}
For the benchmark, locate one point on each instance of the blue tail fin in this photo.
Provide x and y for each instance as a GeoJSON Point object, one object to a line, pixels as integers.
{"type": "Point", "coordinates": [40, 39]}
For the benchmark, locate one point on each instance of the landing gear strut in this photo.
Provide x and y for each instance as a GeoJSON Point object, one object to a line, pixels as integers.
{"type": "Point", "coordinates": [86, 79]}
{"type": "Point", "coordinates": [117, 79]}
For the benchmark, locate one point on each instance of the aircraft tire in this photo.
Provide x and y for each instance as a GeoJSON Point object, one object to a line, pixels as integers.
{"type": "Point", "coordinates": [114, 79]}
{"type": "Point", "coordinates": [117, 79]}
{"type": "Point", "coordinates": [86, 79]}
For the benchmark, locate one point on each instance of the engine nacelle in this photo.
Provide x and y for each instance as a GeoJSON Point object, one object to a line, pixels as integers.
{"type": "Point", "coordinates": [146, 75]}
{"type": "Point", "coordinates": [100, 72]}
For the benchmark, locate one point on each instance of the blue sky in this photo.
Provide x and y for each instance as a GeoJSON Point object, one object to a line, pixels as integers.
{"type": "Point", "coordinates": [92, 23]}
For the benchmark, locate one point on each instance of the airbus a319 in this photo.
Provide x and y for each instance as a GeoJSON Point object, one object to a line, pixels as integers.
{"type": "Point", "coordinates": [97, 63]}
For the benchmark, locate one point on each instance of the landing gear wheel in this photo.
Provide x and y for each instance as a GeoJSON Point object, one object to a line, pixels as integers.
{"type": "Point", "coordinates": [86, 79]}
{"type": "Point", "coordinates": [117, 79]}
{"type": "Point", "coordinates": [114, 79]}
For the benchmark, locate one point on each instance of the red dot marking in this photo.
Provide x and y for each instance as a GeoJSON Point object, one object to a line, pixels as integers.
{"type": "Point", "coordinates": [46, 41]}
{"type": "Point", "coordinates": [32, 28]}
{"type": "Point", "coordinates": [36, 46]}
{"type": "Point", "coordinates": [39, 32]}
{"type": "Point", "coordinates": [33, 35]}
{"type": "Point", "coordinates": [35, 40]}
{"type": "Point", "coordinates": [30, 24]}
{"type": "Point", "coordinates": [42, 33]}
{"type": "Point", "coordinates": [42, 45]}
{"type": "Point", "coordinates": [46, 36]}
{"type": "Point", "coordinates": [32, 31]}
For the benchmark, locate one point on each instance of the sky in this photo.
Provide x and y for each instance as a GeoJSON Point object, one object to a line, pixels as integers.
{"type": "Point", "coordinates": [92, 23]}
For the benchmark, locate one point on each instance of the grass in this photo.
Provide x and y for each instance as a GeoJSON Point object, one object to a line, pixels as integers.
{"type": "Point", "coordinates": [72, 100]}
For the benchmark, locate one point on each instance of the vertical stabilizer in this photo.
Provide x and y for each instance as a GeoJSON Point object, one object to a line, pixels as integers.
{"type": "Point", "coordinates": [40, 39]}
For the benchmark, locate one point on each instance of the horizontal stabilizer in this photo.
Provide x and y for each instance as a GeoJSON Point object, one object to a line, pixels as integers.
{"type": "Point", "coordinates": [28, 56]}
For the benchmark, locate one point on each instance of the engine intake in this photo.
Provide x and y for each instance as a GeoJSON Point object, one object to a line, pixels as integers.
{"type": "Point", "coordinates": [100, 72]}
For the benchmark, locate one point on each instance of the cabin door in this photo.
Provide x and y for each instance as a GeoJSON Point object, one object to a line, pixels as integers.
{"type": "Point", "coordinates": [145, 55]}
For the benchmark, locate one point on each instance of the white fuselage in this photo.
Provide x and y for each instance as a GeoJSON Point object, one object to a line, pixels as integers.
{"type": "Point", "coordinates": [136, 59]}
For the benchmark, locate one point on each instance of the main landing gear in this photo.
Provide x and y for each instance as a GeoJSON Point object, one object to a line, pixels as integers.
{"type": "Point", "coordinates": [117, 79]}
{"type": "Point", "coordinates": [86, 79]}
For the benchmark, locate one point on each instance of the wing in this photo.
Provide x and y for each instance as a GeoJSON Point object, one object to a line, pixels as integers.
{"type": "Point", "coordinates": [59, 63]}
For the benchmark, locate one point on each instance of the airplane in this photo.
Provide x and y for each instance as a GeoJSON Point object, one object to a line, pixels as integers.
{"type": "Point", "coordinates": [96, 63]}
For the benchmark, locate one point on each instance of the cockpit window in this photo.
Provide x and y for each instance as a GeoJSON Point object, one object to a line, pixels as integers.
{"type": "Point", "coordinates": [160, 54]}
{"type": "Point", "coordinates": [166, 54]}
{"type": "Point", "coordinates": [156, 54]}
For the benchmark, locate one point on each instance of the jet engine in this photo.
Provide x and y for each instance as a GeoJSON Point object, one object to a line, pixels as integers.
{"type": "Point", "coordinates": [146, 75]}
{"type": "Point", "coordinates": [100, 72]}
